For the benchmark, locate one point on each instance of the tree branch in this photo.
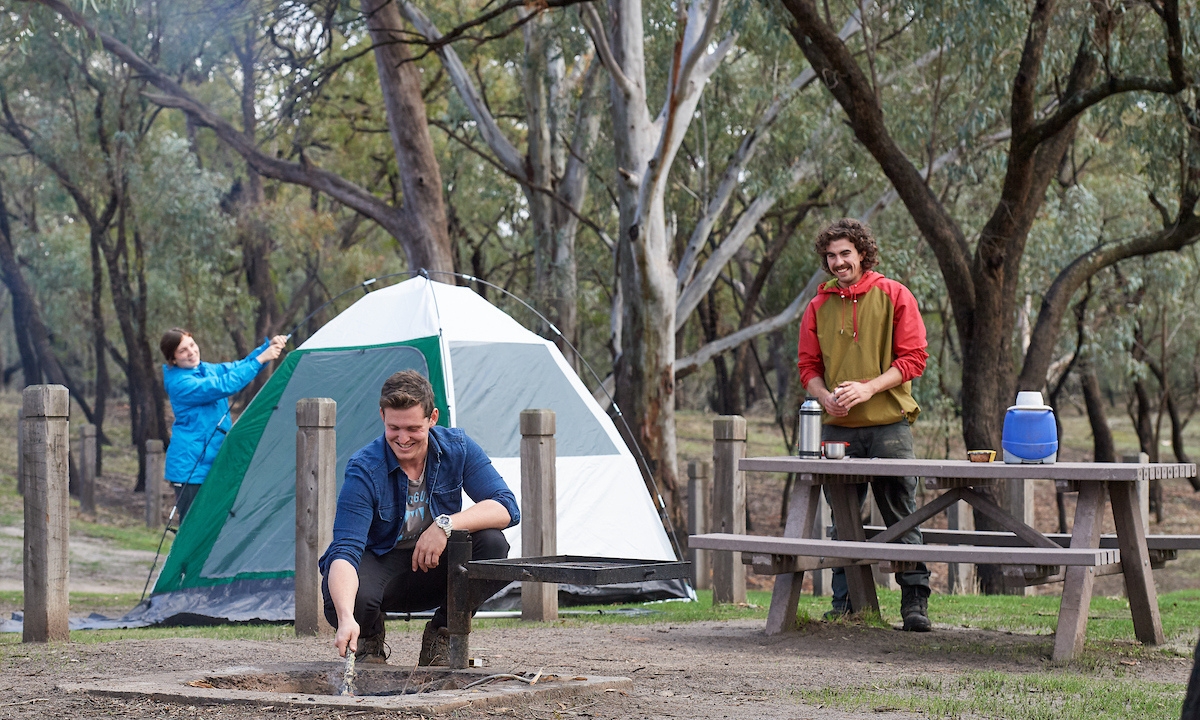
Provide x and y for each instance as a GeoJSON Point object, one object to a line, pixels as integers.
{"type": "Point", "coordinates": [507, 153]}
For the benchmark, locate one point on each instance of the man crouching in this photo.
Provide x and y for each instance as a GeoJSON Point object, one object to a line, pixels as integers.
{"type": "Point", "coordinates": [401, 497]}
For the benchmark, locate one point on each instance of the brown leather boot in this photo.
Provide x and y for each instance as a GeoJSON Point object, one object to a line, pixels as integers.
{"type": "Point", "coordinates": [373, 649]}
{"type": "Point", "coordinates": [435, 646]}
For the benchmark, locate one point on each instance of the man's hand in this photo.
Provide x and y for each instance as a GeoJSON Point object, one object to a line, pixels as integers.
{"type": "Point", "coordinates": [830, 402]}
{"type": "Point", "coordinates": [428, 552]}
{"type": "Point", "coordinates": [849, 394]}
{"type": "Point", "coordinates": [347, 636]}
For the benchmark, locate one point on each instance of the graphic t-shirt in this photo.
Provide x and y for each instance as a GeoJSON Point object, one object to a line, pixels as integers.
{"type": "Point", "coordinates": [416, 513]}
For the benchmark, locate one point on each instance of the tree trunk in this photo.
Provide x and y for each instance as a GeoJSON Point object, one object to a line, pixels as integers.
{"type": "Point", "coordinates": [424, 208]}
{"type": "Point", "coordinates": [1103, 449]}
{"type": "Point", "coordinates": [103, 385]}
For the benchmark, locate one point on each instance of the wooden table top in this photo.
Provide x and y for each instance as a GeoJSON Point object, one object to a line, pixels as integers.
{"type": "Point", "coordinates": [963, 469]}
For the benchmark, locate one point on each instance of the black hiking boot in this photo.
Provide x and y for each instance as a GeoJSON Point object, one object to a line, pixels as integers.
{"type": "Point", "coordinates": [914, 608]}
{"type": "Point", "coordinates": [372, 650]}
{"type": "Point", "coordinates": [435, 646]}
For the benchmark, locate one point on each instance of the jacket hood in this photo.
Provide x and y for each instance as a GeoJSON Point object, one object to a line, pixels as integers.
{"type": "Point", "coordinates": [869, 280]}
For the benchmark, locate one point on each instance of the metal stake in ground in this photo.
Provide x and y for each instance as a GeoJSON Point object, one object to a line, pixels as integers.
{"type": "Point", "coordinates": [458, 603]}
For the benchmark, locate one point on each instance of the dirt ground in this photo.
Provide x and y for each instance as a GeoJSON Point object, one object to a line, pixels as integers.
{"type": "Point", "coordinates": [700, 670]}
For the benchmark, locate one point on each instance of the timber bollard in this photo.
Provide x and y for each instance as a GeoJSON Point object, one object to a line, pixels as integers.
{"type": "Point", "coordinates": [539, 509]}
{"type": "Point", "coordinates": [156, 465]}
{"type": "Point", "coordinates": [316, 500]}
{"type": "Point", "coordinates": [729, 506]}
{"type": "Point", "coordinates": [45, 446]}
{"type": "Point", "coordinates": [458, 598]}
{"type": "Point", "coordinates": [87, 468]}
{"type": "Point", "coordinates": [20, 454]}
{"type": "Point", "coordinates": [699, 476]}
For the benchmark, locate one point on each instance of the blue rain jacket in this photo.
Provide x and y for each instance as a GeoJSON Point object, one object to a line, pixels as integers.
{"type": "Point", "coordinates": [199, 400]}
{"type": "Point", "coordinates": [370, 506]}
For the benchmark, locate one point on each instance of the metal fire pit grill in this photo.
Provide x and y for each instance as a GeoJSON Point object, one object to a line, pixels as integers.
{"type": "Point", "coordinates": [567, 569]}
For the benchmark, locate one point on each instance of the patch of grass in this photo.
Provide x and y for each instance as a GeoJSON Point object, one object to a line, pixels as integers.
{"type": "Point", "coordinates": [1108, 619]}
{"type": "Point", "coordinates": [107, 603]}
{"type": "Point", "coordinates": [1034, 696]}
{"type": "Point", "coordinates": [132, 537]}
{"type": "Point", "coordinates": [260, 632]}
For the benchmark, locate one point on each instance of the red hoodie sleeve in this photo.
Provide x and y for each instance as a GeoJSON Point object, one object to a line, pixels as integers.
{"type": "Point", "coordinates": [811, 363]}
{"type": "Point", "coordinates": [908, 337]}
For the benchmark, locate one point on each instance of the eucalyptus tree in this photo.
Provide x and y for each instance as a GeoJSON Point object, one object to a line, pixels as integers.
{"type": "Point", "coordinates": [84, 121]}
{"type": "Point", "coordinates": [1052, 88]}
{"type": "Point", "coordinates": [419, 222]}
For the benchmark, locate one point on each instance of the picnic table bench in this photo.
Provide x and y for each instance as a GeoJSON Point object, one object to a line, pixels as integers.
{"type": "Point", "coordinates": [1084, 557]}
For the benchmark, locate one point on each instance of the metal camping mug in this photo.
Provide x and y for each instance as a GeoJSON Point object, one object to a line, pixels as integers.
{"type": "Point", "coordinates": [809, 443]}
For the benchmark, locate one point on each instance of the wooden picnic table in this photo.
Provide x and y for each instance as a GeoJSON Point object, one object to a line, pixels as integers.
{"type": "Point", "coordinates": [1094, 482]}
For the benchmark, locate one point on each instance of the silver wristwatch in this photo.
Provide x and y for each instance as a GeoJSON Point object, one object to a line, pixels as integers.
{"type": "Point", "coordinates": [445, 523]}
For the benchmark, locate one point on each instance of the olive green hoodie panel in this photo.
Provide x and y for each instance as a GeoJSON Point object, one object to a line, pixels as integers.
{"type": "Point", "coordinates": [856, 345]}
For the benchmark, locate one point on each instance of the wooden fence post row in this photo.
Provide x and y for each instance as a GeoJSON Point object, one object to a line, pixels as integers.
{"type": "Point", "coordinates": [539, 509]}
{"type": "Point", "coordinates": [44, 452]}
{"type": "Point", "coordinates": [729, 506]}
{"type": "Point", "coordinates": [316, 499]}
{"type": "Point", "coordinates": [699, 492]}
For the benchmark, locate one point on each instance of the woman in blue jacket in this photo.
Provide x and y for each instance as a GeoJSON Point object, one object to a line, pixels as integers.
{"type": "Point", "coordinates": [198, 392]}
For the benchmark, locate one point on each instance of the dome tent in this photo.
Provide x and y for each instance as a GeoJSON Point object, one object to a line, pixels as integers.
{"type": "Point", "coordinates": [234, 556]}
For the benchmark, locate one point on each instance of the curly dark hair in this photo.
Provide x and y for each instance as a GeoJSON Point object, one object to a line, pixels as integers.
{"type": "Point", "coordinates": [854, 231]}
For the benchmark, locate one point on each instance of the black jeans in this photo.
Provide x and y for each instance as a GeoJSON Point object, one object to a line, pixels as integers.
{"type": "Point", "coordinates": [387, 583]}
{"type": "Point", "coordinates": [184, 495]}
{"type": "Point", "coordinates": [896, 497]}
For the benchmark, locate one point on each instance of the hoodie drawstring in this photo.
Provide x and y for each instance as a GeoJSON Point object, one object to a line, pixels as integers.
{"type": "Point", "coordinates": [853, 314]}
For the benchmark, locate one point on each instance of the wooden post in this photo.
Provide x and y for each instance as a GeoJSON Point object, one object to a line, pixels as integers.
{"type": "Point", "coordinates": [45, 447]}
{"type": "Point", "coordinates": [1143, 489]}
{"type": "Point", "coordinates": [883, 578]}
{"type": "Point", "coordinates": [822, 580]}
{"type": "Point", "coordinates": [20, 454]}
{"type": "Point", "coordinates": [699, 474]}
{"type": "Point", "coordinates": [316, 501]}
{"type": "Point", "coordinates": [960, 577]}
{"type": "Point", "coordinates": [729, 506]}
{"type": "Point", "coordinates": [539, 509]}
{"type": "Point", "coordinates": [87, 468]}
{"type": "Point", "coordinates": [156, 465]}
{"type": "Point", "coordinates": [1077, 585]}
{"type": "Point", "coordinates": [1018, 501]}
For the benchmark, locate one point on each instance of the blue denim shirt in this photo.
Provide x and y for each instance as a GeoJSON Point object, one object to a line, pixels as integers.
{"type": "Point", "coordinates": [370, 507]}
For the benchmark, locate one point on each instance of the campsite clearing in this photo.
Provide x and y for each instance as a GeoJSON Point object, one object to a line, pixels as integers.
{"type": "Point", "coordinates": [706, 669]}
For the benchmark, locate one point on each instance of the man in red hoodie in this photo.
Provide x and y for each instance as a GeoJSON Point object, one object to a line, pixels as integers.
{"type": "Point", "coordinates": [862, 341]}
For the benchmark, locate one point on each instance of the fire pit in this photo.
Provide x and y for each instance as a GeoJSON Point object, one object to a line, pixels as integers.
{"type": "Point", "coordinates": [378, 687]}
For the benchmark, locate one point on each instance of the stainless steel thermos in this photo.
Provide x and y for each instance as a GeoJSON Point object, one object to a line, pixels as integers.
{"type": "Point", "coordinates": [808, 445]}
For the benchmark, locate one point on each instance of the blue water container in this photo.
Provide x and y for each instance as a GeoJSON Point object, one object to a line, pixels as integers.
{"type": "Point", "coordinates": [1030, 436]}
